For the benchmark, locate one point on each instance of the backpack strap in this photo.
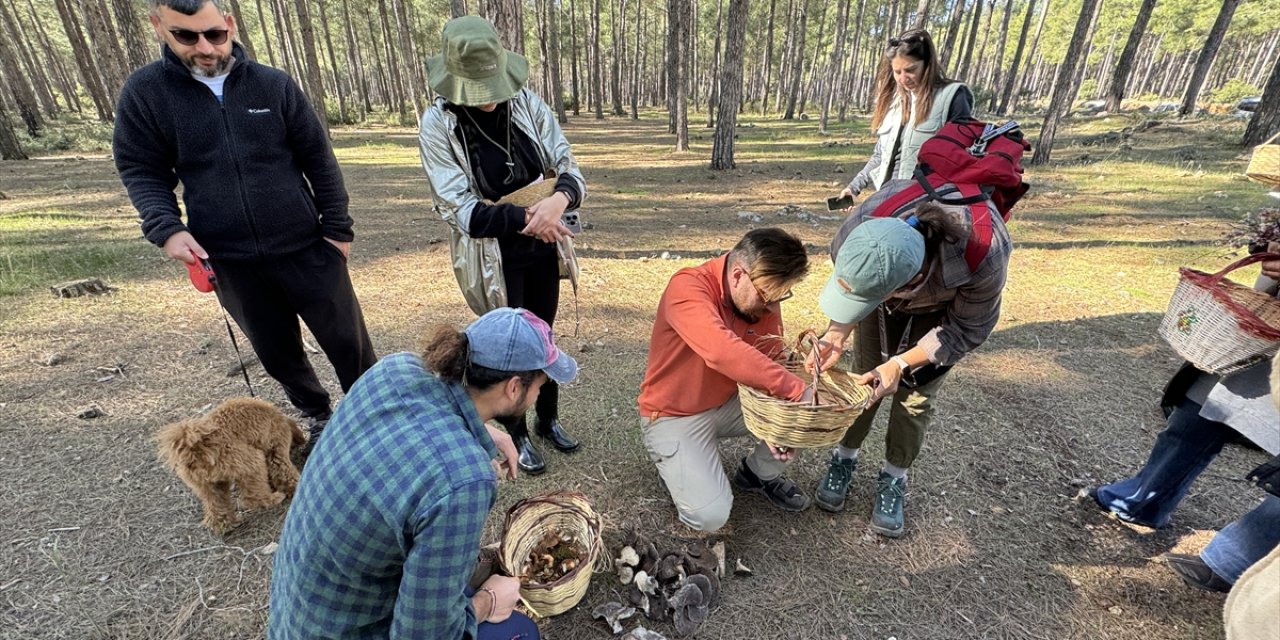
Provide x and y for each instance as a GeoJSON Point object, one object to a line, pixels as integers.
{"type": "Point", "coordinates": [979, 243]}
{"type": "Point", "coordinates": [930, 181]}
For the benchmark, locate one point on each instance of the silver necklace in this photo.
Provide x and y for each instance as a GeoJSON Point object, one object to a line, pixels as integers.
{"type": "Point", "coordinates": [511, 165]}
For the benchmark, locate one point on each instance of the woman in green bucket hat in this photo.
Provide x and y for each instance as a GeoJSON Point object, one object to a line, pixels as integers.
{"type": "Point", "coordinates": [485, 138]}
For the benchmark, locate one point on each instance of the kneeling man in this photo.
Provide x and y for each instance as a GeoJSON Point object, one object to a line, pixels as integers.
{"type": "Point", "coordinates": [384, 532]}
{"type": "Point", "coordinates": [718, 325]}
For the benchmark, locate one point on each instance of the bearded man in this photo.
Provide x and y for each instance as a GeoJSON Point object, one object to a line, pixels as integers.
{"type": "Point", "coordinates": [264, 198]}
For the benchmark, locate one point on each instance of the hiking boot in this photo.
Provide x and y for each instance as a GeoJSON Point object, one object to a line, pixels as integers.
{"type": "Point", "coordinates": [835, 486]}
{"type": "Point", "coordinates": [1195, 572]}
{"type": "Point", "coordinates": [783, 493]}
{"type": "Point", "coordinates": [555, 433]}
{"type": "Point", "coordinates": [886, 513]}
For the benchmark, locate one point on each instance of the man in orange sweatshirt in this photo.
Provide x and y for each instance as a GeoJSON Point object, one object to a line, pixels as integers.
{"type": "Point", "coordinates": [711, 333]}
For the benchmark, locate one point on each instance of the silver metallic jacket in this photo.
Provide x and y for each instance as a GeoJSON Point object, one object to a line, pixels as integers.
{"type": "Point", "coordinates": [477, 262]}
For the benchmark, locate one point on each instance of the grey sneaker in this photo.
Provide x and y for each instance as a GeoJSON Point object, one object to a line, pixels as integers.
{"type": "Point", "coordinates": [886, 513]}
{"type": "Point", "coordinates": [783, 493]}
{"type": "Point", "coordinates": [835, 486]}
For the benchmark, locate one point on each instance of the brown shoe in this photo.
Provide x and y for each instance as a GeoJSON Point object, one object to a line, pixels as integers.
{"type": "Point", "coordinates": [1195, 572]}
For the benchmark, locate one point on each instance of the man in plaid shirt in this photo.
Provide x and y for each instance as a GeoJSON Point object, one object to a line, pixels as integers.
{"type": "Point", "coordinates": [384, 531]}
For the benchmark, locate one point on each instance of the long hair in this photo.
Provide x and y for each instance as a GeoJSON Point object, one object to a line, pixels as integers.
{"type": "Point", "coordinates": [916, 44]}
{"type": "Point", "coordinates": [446, 352]}
{"type": "Point", "coordinates": [938, 226]}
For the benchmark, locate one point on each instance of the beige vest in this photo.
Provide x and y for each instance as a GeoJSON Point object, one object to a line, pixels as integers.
{"type": "Point", "coordinates": [913, 135]}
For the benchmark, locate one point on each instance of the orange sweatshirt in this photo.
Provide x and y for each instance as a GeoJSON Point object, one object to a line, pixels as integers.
{"type": "Point", "coordinates": [701, 349]}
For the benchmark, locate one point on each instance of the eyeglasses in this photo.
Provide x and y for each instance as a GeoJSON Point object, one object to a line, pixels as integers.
{"type": "Point", "coordinates": [188, 38]}
{"type": "Point", "coordinates": [785, 296]}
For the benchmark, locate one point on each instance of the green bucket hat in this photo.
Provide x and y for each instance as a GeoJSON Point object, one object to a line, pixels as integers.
{"type": "Point", "coordinates": [473, 68]}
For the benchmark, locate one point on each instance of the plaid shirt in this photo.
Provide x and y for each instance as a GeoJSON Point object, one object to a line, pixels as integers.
{"type": "Point", "coordinates": [383, 533]}
{"type": "Point", "coordinates": [970, 298]}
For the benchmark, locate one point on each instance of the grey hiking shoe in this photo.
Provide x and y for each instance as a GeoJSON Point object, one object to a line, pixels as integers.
{"type": "Point", "coordinates": [886, 513]}
{"type": "Point", "coordinates": [783, 493]}
{"type": "Point", "coordinates": [835, 486]}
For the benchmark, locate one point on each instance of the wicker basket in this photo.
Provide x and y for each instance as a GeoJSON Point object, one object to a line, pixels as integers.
{"type": "Point", "coordinates": [528, 521]}
{"type": "Point", "coordinates": [1264, 165]}
{"type": "Point", "coordinates": [1220, 326]}
{"type": "Point", "coordinates": [801, 425]}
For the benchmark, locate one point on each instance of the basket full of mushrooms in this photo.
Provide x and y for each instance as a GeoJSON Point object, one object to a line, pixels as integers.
{"type": "Point", "coordinates": [551, 542]}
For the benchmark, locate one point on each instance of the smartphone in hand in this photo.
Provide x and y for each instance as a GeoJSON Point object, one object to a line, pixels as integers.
{"type": "Point", "coordinates": [839, 202]}
{"type": "Point", "coordinates": [572, 222]}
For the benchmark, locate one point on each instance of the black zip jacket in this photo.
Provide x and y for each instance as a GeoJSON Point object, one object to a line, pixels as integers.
{"type": "Point", "coordinates": [259, 178]}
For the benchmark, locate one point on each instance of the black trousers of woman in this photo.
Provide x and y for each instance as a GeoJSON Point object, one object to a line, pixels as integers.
{"type": "Point", "coordinates": [537, 288]}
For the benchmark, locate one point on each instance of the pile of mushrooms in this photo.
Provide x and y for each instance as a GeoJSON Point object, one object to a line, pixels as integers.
{"type": "Point", "coordinates": [680, 586]}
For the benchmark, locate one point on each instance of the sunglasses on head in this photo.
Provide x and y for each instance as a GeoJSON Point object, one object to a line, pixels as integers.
{"type": "Point", "coordinates": [187, 37]}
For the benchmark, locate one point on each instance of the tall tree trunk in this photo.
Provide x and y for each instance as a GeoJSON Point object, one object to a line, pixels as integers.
{"type": "Point", "coordinates": [397, 85]}
{"type": "Point", "coordinates": [66, 83]}
{"type": "Point", "coordinates": [415, 84]}
{"type": "Point", "coordinates": [681, 23]}
{"type": "Point", "coordinates": [597, 78]}
{"type": "Point", "coordinates": [813, 64]}
{"type": "Point", "coordinates": [284, 32]}
{"type": "Point", "coordinates": [380, 79]}
{"type": "Point", "coordinates": [316, 92]}
{"type": "Point", "coordinates": [573, 64]}
{"type": "Point", "coordinates": [106, 46]}
{"type": "Point", "coordinates": [553, 46]}
{"type": "Point", "coordinates": [963, 72]}
{"type": "Point", "coordinates": [506, 18]}
{"type": "Point", "coordinates": [242, 27]}
{"type": "Point", "coordinates": [788, 49]}
{"type": "Point", "coordinates": [1207, 54]}
{"type": "Point", "coordinates": [957, 25]}
{"type": "Point", "coordinates": [730, 86]}
{"type": "Point", "coordinates": [637, 61]}
{"type": "Point", "coordinates": [457, 8]}
{"type": "Point", "coordinates": [266, 34]}
{"type": "Point", "coordinates": [354, 63]}
{"type": "Point", "coordinates": [999, 59]}
{"type": "Point", "coordinates": [671, 71]}
{"type": "Point", "coordinates": [855, 68]}
{"type": "Point", "coordinates": [34, 71]}
{"type": "Point", "coordinates": [333, 60]}
{"type": "Point", "coordinates": [768, 59]}
{"type": "Point", "coordinates": [85, 61]}
{"type": "Point", "coordinates": [616, 8]}
{"type": "Point", "coordinates": [24, 97]}
{"type": "Point", "coordinates": [1011, 79]}
{"type": "Point", "coordinates": [1266, 121]}
{"type": "Point", "coordinates": [922, 14]}
{"type": "Point", "coordinates": [797, 62]}
{"type": "Point", "coordinates": [714, 79]}
{"type": "Point", "coordinates": [1078, 78]}
{"type": "Point", "coordinates": [833, 67]}
{"type": "Point", "coordinates": [1035, 41]}
{"type": "Point", "coordinates": [9, 147]}
{"type": "Point", "coordinates": [1060, 101]}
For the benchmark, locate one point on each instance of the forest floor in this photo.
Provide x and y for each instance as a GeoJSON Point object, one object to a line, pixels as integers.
{"type": "Point", "coordinates": [97, 540]}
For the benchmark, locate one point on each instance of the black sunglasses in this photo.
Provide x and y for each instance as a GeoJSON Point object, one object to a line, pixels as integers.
{"type": "Point", "coordinates": [187, 37]}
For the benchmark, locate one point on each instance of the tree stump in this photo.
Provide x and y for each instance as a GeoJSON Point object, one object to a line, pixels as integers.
{"type": "Point", "coordinates": [77, 288]}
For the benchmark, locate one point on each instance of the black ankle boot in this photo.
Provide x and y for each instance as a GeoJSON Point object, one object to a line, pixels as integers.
{"type": "Point", "coordinates": [554, 431]}
{"type": "Point", "coordinates": [530, 461]}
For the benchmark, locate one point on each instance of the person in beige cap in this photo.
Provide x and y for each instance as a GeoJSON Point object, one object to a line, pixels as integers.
{"type": "Point", "coordinates": [485, 137]}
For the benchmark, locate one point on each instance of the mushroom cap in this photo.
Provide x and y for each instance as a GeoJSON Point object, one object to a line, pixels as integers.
{"type": "Point", "coordinates": [708, 584]}
{"type": "Point", "coordinates": [613, 613]}
{"type": "Point", "coordinates": [628, 556]}
{"type": "Point", "coordinates": [688, 609]}
{"type": "Point", "coordinates": [669, 567]}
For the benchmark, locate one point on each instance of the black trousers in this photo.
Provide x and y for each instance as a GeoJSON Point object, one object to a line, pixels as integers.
{"type": "Point", "coordinates": [536, 288]}
{"type": "Point", "coordinates": [266, 297]}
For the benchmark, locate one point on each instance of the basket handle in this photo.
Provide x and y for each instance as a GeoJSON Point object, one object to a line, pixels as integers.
{"type": "Point", "coordinates": [1243, 262]}
{"type": "Point", "coordinates": [814, 349]}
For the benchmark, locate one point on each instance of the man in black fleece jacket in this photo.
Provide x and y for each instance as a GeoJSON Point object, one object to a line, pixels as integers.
{"type": "Point", "coordinates": [264, 197]}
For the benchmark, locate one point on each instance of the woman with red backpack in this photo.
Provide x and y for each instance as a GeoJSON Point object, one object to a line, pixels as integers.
{"type": "Point", "coordinates": [914, 98]}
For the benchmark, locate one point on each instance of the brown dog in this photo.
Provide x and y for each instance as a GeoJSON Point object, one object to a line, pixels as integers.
{"type": "Point", "coordinates": [245, 442]}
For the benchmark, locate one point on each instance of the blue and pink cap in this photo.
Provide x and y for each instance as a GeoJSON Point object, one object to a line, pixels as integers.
{"type": "Point", "coordinates": [515, 340]}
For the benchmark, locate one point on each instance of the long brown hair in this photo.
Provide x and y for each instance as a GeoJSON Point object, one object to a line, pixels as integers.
{"type": "Point", "coordinates": [445, 351]}
{"type": "Point", "coordinates": [916, 44]}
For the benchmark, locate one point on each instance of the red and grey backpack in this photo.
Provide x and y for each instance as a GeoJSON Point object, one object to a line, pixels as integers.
{"type": "Point", "coordinates": [983, 161]}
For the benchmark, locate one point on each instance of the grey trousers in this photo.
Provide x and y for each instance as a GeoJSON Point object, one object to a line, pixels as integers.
{"type": "Point", "coordinates": [685, 450]}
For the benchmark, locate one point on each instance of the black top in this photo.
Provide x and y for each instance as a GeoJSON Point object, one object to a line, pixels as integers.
{"type": "Point", "coordinates": [485, 136]}
{"type": "Point", "coordinates": [259, 178]}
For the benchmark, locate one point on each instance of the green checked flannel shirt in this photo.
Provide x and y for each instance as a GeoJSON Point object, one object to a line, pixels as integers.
{"type": "Point", "coordinates": [384, 530]}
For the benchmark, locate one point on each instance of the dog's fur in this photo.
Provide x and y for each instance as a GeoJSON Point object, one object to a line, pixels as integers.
{"type": "Point", "coordinates": [245, 442]}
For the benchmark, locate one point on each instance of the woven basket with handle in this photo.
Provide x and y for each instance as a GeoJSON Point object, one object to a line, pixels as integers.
{"type": "Point", "coordinates": [804, 425]}
{"type": "Point", "coordinates": [531, 519]}
{"type": "Point", "coordinates": [1264, 164]}
{"type": "Point", "coordinates": [1220, 326]}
